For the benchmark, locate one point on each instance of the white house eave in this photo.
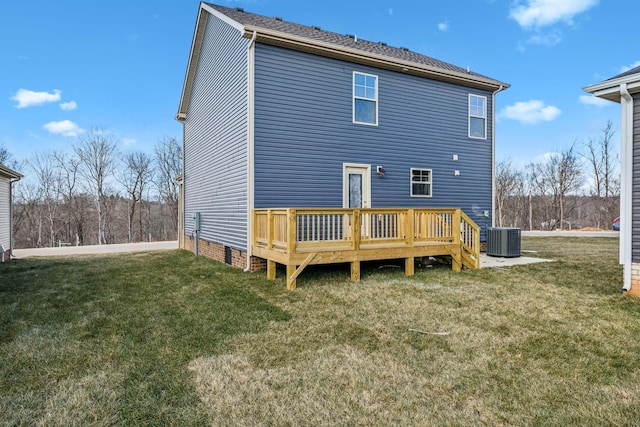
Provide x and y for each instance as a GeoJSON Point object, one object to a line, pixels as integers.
{"type": "Point", "coordinates": [194, 55]}
{"type": "Point", "coordinates": [368, 58]}
{"type": "Point", "coordinates": [9, 173]}
{"type": "Point", "coordinates": [610, 89]}
{"type": "Point", "coordinates": [192, 64]}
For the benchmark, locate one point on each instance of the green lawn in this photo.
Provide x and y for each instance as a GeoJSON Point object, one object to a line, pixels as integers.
{"type": "Point", "coordinates": [166, 338]}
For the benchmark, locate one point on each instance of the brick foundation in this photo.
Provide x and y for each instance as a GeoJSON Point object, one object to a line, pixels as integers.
{"type": "Point", "coordinates": [219, 252]}
{"type": "Point", "coordinates": [635, 280]}
{"type": "Point", "coordinates": [8, 255]}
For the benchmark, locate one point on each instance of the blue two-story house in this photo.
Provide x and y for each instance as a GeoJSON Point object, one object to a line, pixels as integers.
{"type": "Point", "coordinates": [282, 115]}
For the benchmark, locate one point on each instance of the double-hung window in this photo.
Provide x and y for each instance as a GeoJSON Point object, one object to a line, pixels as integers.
{"type": "Point", "coordinates": [365, 98]}
{"type": "Point", "coordinates": [477, 116]}
{"type": "Point", "coordinates": [420, 182]}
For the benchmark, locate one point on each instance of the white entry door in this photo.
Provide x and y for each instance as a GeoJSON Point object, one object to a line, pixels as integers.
{"type": "Point", "coordinates": [356, 186]}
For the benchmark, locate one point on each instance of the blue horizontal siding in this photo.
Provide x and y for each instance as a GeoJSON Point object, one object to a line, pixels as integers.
{"type": "Point", "coordinates": [215, 135]}
{"type": "Point", "coordinates": [304, 133]}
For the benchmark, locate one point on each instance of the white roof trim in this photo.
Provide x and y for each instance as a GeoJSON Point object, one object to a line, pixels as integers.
{"type": "Point", "coordinates": [223, 17]}
{"type": "Point", "coordinates": [610, 89]}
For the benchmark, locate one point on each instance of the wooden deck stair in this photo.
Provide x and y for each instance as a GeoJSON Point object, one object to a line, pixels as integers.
{"type": "Point", "coordinates": [297, 238]}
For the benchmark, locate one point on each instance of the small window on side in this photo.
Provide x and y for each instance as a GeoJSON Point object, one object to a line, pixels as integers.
{"type": "Point", "coordinates": [477, 116]}
{"type": "Point", "coordinates": [421, 183]}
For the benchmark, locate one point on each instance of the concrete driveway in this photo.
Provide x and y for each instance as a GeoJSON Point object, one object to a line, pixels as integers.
{"type": "Point", "coordinates": [96, 249]}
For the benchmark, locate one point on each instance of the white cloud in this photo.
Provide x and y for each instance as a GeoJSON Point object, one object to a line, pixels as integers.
{"type": "Point", "coordinates": [540, 13]}
{"type": "Point", "coordinates": [68, 106]}
{"type": "Point", "coordinates": [443, 26]}
{"type": "Point", "coordinates": [550, 39]}
{"type": "Point", "coordinates": [530, 112]}
{"type": "Point", "coordinates": [625, 68]}
{"type": "Point", "coordinates": [29, 98]}
{"type": "Point", "coordinates": [64, 128]}
{"type": "Point", "coordinates": [129, 141]}
{"type": "Point", "coordinates": [594, 100]}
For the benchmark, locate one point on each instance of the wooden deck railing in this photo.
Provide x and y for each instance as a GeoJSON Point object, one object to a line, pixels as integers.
{"type": "Point", "coordinates": [303, 236]}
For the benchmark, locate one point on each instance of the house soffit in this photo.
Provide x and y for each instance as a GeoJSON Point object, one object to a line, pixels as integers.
{"type": "Point", "coordinates": [610, 89]}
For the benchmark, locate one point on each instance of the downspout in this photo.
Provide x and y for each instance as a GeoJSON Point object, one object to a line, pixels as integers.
{"type": "Point", "coordinates": [626, 185]}
{"type": "Point", "coordinates": [11, 182]}
{"type": "Point", "coordinates": [250, 136]}
{"type": "Point", "coordinates": [493, 155]}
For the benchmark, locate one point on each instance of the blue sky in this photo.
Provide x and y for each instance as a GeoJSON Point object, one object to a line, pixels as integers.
{"type": "Point", "coordinates": [69, 66]}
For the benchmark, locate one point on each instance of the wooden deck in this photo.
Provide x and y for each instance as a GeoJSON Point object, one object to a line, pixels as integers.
{"type": "Point", "coordinates": [298, 237]}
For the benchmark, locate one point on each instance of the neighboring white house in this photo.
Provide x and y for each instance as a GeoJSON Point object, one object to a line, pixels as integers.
{"type": "Point", "coordinates": [625, 89]}
{"type": "Point", "coordinates": [7, 178]}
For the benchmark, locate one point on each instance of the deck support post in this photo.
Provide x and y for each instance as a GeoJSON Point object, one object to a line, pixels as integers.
{"type": "Point", "coordinates": [456, 261]}
{"type": "Point", "coordinates": [409, 266]}
{"type": "Point", "coordinates": [355, 271]}
{"type": "Point", "coordinates": [409, 229]}
{"type": "Point", "coordinates": [291, 280]}
{"type": "Point", "coordinates": [271, 270]}
{"type": "Point", "coordinates": [456, 256]}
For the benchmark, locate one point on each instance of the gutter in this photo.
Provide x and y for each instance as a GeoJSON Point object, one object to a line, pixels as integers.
{"type": "Point", "coordinates": [626, 102]}
{"type": "Point", "coordinates": [358, 56]}
{"type": "Point", "coordinates": [250, 141]}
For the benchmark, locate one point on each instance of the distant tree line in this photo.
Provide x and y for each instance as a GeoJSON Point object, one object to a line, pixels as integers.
{"type": "Point", "coordinates": [93, 194]}
{"type": "Point", "coordinates": [575, 188]}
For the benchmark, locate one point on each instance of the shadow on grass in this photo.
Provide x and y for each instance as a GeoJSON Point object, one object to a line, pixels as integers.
{"type": "Point", "coordinates": [139, 317]}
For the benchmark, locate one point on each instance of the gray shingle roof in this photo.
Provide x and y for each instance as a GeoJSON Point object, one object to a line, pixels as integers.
{"type": "Point", "coordinates": [343, 40]}
{"type": "Point", "coordinates": [630, 72]}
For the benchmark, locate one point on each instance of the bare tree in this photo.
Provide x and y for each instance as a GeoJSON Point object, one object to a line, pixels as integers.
{"type": "Point", "coordinates": [137, 174]}
{"type": "Point", "coordinates": [168, 154]}
{"type": "Point", "coordinates": [4, 156]}
{"type": "Point", "coordinates": [49, 185]}
{"type": "Point", "coordinates": [508, 181]}
{"type": "Point", "coordinates": [69, 167]}
{"type": "Point", "coordinates": [555, 179]}
{"type": "Point", "coordinates": [603, 170]}
{"type": "Point", "coordinates": [97, 154]}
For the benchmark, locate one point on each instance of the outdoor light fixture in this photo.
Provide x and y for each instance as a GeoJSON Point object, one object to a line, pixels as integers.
{"type": "Point", "coordinates": [380, 170]}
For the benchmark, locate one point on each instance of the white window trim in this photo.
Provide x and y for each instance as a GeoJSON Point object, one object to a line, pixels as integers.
{"type": "Point", "coordinates": [430, 183]}
{"type": "Point", "coordinates": [354, 97]}
{"type": "Point", "coordinates": [481, 117]}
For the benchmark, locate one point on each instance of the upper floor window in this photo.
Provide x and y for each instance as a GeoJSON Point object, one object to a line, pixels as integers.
{"type": "Point", "coordinates": [477, 116]}
{"type": "Point", "coordinates": [420, 182]}
{"type": "Point", "coordinates": [365, 98]}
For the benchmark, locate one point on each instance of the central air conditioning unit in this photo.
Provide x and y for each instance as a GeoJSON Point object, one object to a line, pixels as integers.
{"type": "Point", "coordinates": [503, 242]}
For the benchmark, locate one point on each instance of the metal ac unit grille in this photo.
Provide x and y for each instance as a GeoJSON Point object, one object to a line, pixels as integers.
{"type": "Point", "coordinates": [503, 242]}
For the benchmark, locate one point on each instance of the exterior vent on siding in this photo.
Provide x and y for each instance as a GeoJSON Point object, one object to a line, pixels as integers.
{"type": "Point", "coordinates": [228, 258]}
